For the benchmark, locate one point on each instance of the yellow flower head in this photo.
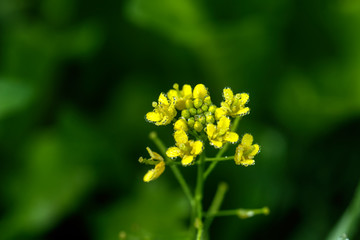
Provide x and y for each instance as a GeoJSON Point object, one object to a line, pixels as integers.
{"type": "Point", "coordinates": [235, 105]}
{"type": "Point", "coordinates": [164, 111]}
{"type": "Point", "coordinates": [246, 151]}
{"type": "Point", "coordinates": [185, 148]}
{"type": "Point", "coordinates": [159, 165]}
{"type": "Point", "coordinates": [180, 95]}
{"type": "Point", "coordinates": [220, 133]}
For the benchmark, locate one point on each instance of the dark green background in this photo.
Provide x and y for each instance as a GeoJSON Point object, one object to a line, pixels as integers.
{"type": "Point", "coordinates": [77, 78]}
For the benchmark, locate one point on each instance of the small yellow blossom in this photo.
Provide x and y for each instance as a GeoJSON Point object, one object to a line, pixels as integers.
{"type": "Point", "coordinates": [185, 148]}
{"type": "Point", "coordinates": [180, 95]}
{"type": "Point", "coordinates": [159, 167]}
{"type": "Point", "coordinates": [200, 91]}
{"type": "Point", "coordinates": [164, 111]}
{"type": "Point", "coordinates": [235, 105]}
{"type": "Point", "coordinates": [220, 133]}
{"type": "Point", "coordinates": [246, 151]}
{"type": "Point", "coordinates": [181, 124]}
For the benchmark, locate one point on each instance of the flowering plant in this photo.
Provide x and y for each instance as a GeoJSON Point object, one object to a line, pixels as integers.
{"type": "Point", "coordinates": [196, 120]}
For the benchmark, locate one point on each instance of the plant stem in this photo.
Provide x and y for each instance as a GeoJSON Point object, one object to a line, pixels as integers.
{"type": "Point", "coordinates": [222, 151]}
{"type": "Point", "coordinates": [219, 159]}
{"type": "Point", "coordinates": [215, 205]}
{"type": "Point", "coordinates": [240, 212]}
{"type": "Point", "coordinates": [153, 136]}
{"type": "Point", "coordinates": [348, 223]}
{"type": "Point", "coordinates": [198, 198]}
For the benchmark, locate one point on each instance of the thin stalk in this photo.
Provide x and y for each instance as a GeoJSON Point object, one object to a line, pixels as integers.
{"type": "Point", "coordinates": [153, 136]}
{"type": "Point", "coordinates": [240, 212]}
{"type": "Point", "coordinates": [198, 198]}
{"type": "Point", "coordinates": [222, 151]}
{"type": "Point", "coordinates": [219, 159]}
{"type": "Point", "coordinates": [349, 222]}
{"type": "Point", "coordinates": [215, 205]}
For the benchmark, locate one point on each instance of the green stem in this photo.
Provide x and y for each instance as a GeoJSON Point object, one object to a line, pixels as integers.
{"type": "Point", "coordinates": [219, 159]}
{"type": "Point", "coordinates": [153, 136]}
{"type": "Point", "coordinates": [240, 212]}
{"type": "Point", "coordinates": [198, 198]}
{"type": "Point", "coordinates": [215, 205]}
{"type": "Point", "coordinates": [222, 151]}
{"type": "Point", "coordinates": [348, 223]}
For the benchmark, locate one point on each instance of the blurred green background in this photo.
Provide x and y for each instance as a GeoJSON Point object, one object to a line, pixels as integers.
{"type": "Point", "coordinates": [77, 78]}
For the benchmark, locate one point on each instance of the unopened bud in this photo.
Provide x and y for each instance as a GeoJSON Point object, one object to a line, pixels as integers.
{"type": "Point", "coordinates": [185, 113]}
{"type": "Point", "coordinates": [212, 109]}
{"type": "Point", "coordinates": [198, 126]}
{"type": "Point", "coordinates": [197, 103]}
{"type": "Point", "coordinates": [189, 104]}
{"type": "Point", "coordinates": [192, 111]}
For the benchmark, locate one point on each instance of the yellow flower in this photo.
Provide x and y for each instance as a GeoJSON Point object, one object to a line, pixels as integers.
{"type": "Point", "coordinates": [220, 133]}
{"type": "Point", "coordinates": [200, 91]}
{"type": "Point", "coordinates": [246, 152]}
{"type": "Point", "coordinates": [164, 111]}
{"type": "Point", "coordinates": [159, 167]}
{"type": "Point", "coordinates": [185, 148]}
{"type": "Point", "coordinates": [180, 95]}
{"type": "Point", "coordinates": [235, 105]}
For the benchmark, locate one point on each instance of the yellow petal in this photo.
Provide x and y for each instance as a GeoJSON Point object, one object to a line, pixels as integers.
{"type": "Point", "coordinates": [244, 98]}
{"type": "Point", "coordinates": [242, 112]}
{"type": "Point", "coordinates": [217, 144]}
{"type": "Point", "coordinates": [181, 124]}
{"type": "Point", "coordinates": [210, 130]}
{"type": "Point", "coordinates": [187, 160]}
{"type": "Point", "coordinates": [247, 139]}
{"type": "Point", "coordinates": [172, 94]}
{"type": "Point", "coordinates": [154, 155]}
{"type": "Point", "coordinates": [238, 154]}
{"type": "Point", "coordinates": [200, 91]}
{"type": "Point", "coordinates": [231, 137]}
{"type": "Point", "coordinates": [197, 148]}
{"type": "Point", "coordinates": [223, 124]}
{"type": "Point", "coordinates": [154, 173]}
{"type": "Point", "coordinates": [187, 91]}
{"type": "Point", "coordinates": [228, 94]}
{"type": "Point", "coordinates": [247, 162]}
{"type": "Point", "coordinates": [180, 136]}
{"type": "Point", "coordinates": [173, 152]}
{"type": "Point", "coordinates": [153, 116]}
{"type": "Point", "coordinates": [164, 121]}
{"type": "Point", "coordinates": [163, 99]}
{"type": "Point", "coordinates": [219, 112]}
{"type": "Point", "coordinates": [256, 150]}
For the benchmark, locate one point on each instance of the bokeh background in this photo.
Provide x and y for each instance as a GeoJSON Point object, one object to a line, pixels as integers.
{"type": "Point", "coordinates": [77, 78]}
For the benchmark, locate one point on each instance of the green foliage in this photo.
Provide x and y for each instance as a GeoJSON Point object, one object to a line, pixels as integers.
{"type": "Point", "coordinates": [14, 97]}
{"type": "Point", "coordinates": [155, 211]}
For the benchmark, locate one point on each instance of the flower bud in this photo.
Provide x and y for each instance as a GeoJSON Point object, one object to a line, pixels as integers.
{"type": "Point", "coordinates": [197, 103]}
{"type": "Point", "coordinates": [189, 104]}
{"type": "Point", "coordinates": [204, 107]}
{"type": "Point", "coordinates": [185, 113]}
{"type": "Point", "coordinates": [192, 111]}
{"type": "Point", "coordinates": [210, 119]}
{"type": "Point", "coordinates": [212, 109]}
{"type": "Point", "coordinates": [191, 122]}
{"type": "Point", "coordinates": [198, 126]}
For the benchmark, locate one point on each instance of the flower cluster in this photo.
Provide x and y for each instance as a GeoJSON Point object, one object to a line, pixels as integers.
{"type": "Point", "coordinates": [196, 120]}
